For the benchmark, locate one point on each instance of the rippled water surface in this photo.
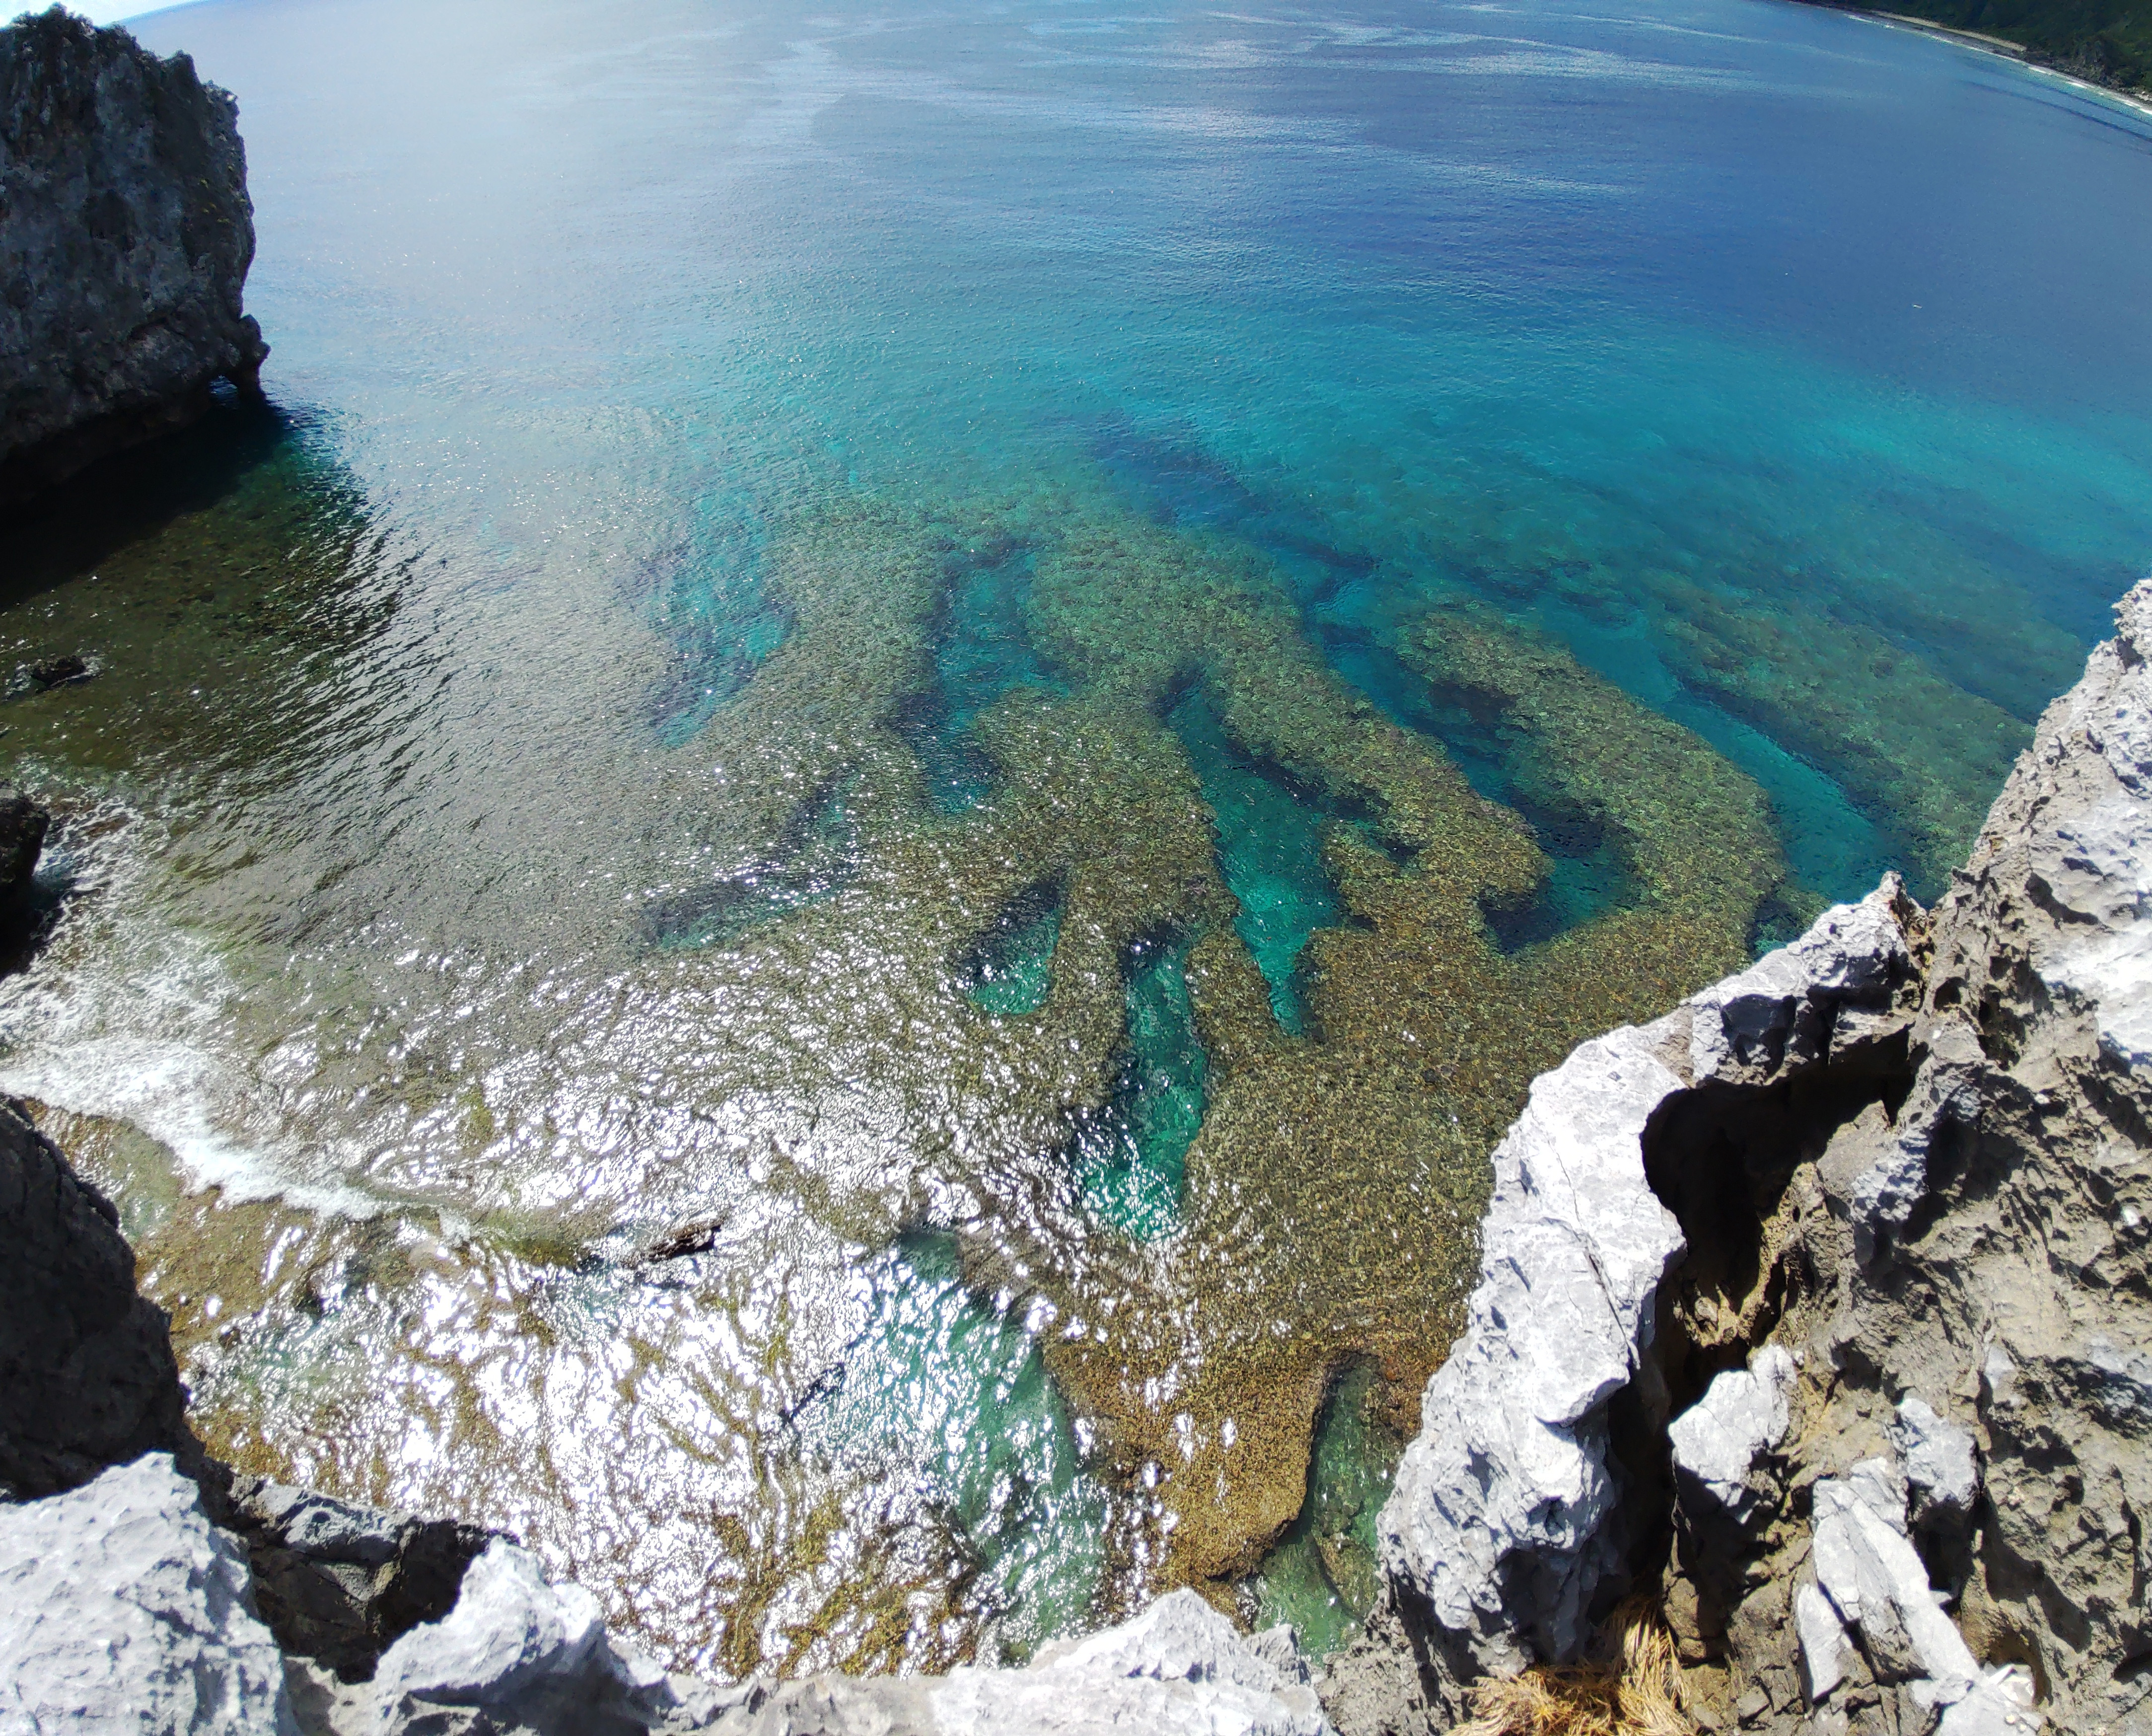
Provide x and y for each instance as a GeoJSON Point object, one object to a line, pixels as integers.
{"type": "Point", "coordinates": [822, 873]}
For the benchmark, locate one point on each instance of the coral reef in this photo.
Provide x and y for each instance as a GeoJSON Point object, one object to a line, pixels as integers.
{"type": "Point", "coordinates": [1320, 1132]}
{"type": "Point", "coordinates": [944, 878]}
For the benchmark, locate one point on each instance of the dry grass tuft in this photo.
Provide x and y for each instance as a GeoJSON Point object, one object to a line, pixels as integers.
{"type": "Point", "coordinates": [1633, 1689]}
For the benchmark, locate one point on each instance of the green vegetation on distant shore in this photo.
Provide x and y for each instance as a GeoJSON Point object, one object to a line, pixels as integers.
{"type": "Point", "coordinates": [2109, 42]}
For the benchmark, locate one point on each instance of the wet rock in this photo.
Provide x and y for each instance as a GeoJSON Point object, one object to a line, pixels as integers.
{"type": "Point", "coordinates": [87, 1374]}
{"type": "Point", "coordinates": [23, 826]}
{"type": "Point", "coordinates": [58, 672]}
{"type": "Point", "coordinates": [123, 1609]}
{"type": "Point", "coordinates": [125, 237]}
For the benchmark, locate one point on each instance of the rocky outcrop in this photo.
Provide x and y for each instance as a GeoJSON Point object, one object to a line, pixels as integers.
{"type": "Point", "coordinates": [122, 1608]}
{"type": "Point", "coordinates": [23, 826]}
{"type": "Point", "coordinates": [1505, 1519]}
{"type": "Point", "coordinates": [1819, 1310]}
{"type": "Point", "coordinates": [87, 1374]}
{"type": "Point", "coordinates": [1967, 1276]}
{"type": "Point", "coordinates": [1178, 1668]}
{"type": "Point", "coordinates": [341, 1583]}
{"type": "Point", "coordinates": [125, 237]}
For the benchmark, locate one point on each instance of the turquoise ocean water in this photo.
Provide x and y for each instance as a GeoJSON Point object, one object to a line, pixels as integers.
{"type": "Point", "coordinates": [821, 871]}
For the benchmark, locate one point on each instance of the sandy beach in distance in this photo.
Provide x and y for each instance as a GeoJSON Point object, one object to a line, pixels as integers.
{"type": "Point", "coordinates": [1995, 45]}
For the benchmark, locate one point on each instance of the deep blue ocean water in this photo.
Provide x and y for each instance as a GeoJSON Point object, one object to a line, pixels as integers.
{"type": "Point", "coordinates": [869, 647]}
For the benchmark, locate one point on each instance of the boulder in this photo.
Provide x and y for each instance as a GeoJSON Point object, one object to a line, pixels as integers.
{"type": "Point", "coordinates": [122, 1608]}
{"type": "Point", "coordinates": [508, 1629]}
{"type": "Point", "coordinates": [125, 237]}
{"type": "Point", "coordinates": [1741, 1416]}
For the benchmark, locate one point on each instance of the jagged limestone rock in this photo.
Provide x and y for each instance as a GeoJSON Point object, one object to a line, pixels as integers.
{"type": "Point", "coordinates": [1923, 1171]}
{"type": "Point", "coordinates": [1823, 1639]}
{"type": "Point", "coordinates": [1178, 1668]}
{"type": "Point", "coordinates": [1742, 1415]}
{"type": "Point", "coordinates": [325, 1529]}
{"type": "Point", "coordinates": [125, 237]}
{"type": "Point", "coordinates": [339, 1581]}
{"type": "Point", "coordinates": [122, 1608]}
{"type": "Point", "coordinates": [525, 1656]}
{"type": "Point", "coordinates": [1938, 1458]}
{"type": "Point", "coordinates": [1498, 1517]}
{"type": "Point", "coordinates": [509, 1629]}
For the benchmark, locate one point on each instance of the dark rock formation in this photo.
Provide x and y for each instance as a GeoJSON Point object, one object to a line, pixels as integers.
{"type": "Point", "coordinates": [87, 1375]}
{"type": "Point", "coordinates": [87, 1381]}
{"type": "Point", "coordinates": [125, 236]}
{"type": "Point", "coordinates": [23, 825]}
{"type": "Point", "coordinates": [340, 1583]}
{"type": "Point", "coordinates": [57, 672]}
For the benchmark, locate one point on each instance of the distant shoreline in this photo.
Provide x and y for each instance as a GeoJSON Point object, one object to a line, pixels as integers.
{"type": "Point", "coordinates": [1996, 45]}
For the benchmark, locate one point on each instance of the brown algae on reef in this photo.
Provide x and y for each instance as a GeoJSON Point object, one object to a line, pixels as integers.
{"type": "Point", "coordinates": [972, 939]}
{"type": "Point", "coordinates": [1327, 1208]}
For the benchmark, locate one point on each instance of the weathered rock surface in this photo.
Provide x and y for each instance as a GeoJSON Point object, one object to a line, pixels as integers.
{"type": "Point", "coordinates": [1743, 1415]}
{"type": "Point", "coordinates": [1909, 1161]}
{"type": "Point", "coordinates": [1501, 1519]}
{"type": "Point", "coordinates": [125, 237]}
{"type": "Point", "coordinates": [123, 1609]}
{"type": "Point", "coordinates": [340, 1583]}
{"type": "Point", "coordinates": [87, 1375]}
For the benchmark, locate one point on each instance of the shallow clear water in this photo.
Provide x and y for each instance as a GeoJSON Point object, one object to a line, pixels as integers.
{"type": "Point", "coordinates": [824, 875]}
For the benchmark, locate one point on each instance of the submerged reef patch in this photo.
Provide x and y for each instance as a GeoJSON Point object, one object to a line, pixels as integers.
{"type": "Point", "coordinates": [1203, 1155]}
{"type": "Point", "coordinates": [1335, 1159]}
